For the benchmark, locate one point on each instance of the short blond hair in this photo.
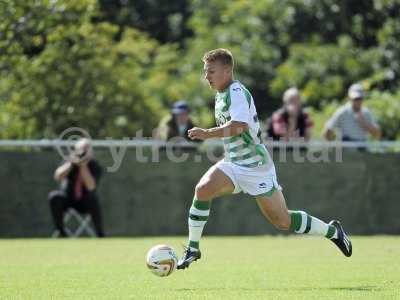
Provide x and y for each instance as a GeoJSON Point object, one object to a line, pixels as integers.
{"type": "Point", "coordinates": [289, 93]}
{"type": "Point", "coordinates": [222, 55]}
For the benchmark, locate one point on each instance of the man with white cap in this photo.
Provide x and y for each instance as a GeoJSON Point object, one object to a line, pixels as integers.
{"type": "Point", "coordinates": [353, 120]}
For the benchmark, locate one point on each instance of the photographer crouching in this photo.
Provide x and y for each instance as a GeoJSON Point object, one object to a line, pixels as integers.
{"type": "Point", "coordinates": [79, 177]}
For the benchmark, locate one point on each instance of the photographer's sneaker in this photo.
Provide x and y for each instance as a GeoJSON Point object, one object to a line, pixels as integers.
{"type": "Point", "coordinates": [188, 257]}
{"type": "Point", "coordinates": [342, 241]}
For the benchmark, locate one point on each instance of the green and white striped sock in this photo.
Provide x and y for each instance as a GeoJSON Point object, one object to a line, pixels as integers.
{"type": "Point", "coordinates": [306, 224]}
{"type": "Point", "coordinates": [198, 216]}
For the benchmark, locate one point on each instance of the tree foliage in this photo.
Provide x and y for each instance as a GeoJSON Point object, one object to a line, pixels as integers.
{"type": "Point", "coordinates": [72, 72]}
{"type": "Point", "coordinates": [114, 67]}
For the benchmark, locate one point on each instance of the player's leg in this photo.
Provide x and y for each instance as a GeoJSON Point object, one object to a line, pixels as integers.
{"type": "Point", "coordinates": [274, 209]}
{"type": "Point", "coordinates": [214, 183]}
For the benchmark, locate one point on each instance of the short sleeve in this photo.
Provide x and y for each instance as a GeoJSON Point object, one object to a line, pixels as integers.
{"type": "Point", "coordinates": [370, 118]}
{"type": "Point", "coordinates": [239, 108]}
{"type": "Point", "coordinates": [333, 122]}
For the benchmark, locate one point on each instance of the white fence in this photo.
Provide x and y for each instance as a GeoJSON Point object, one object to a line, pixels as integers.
{"type": "Point", "coordinates": [133, 143]}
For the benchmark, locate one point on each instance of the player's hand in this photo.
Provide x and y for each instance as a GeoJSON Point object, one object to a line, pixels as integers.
{"type": "Point", "coordinates": [198, 133]}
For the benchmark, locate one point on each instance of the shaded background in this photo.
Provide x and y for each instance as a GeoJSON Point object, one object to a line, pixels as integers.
{"type": "Point", "coordinates": [154, 198]}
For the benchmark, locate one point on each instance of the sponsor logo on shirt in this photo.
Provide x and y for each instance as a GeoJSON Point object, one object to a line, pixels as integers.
{"type": "Point", "coordinates": [237, 89]}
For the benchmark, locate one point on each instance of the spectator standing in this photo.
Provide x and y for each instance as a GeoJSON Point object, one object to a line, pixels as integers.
{"type": "Point", "coordinates": [178, 124]}
{"type": "Point", "coordinates": [353, 120]}
{"type": "Point", "coordinates": [291, 121]}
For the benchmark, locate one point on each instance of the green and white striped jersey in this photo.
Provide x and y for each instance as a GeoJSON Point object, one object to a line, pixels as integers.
{"type": "Point", "coordinates": [246, 149]}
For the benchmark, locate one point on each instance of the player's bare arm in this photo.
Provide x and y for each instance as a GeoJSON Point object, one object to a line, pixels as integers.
{"type": "Point", "coordinates": [229, 129]}
{"type": "Point", "coordinates": [247, 165]}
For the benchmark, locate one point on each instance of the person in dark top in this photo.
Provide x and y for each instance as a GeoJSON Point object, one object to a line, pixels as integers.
{"type": "Point", "coordinates": [180, 122]}
{"type": "Point", "coordinates": [175, 126]}
{"type": "Point", "coordinates": [291, 121]}
{"type": "Point", "coordinates": [79, 177]}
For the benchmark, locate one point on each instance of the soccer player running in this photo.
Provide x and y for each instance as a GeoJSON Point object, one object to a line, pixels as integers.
{"type": "Point", "coordinates": [247, 166]}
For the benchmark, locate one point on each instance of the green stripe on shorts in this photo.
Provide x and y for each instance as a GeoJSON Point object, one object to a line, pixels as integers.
{"type": "Point", "coordinates": [268, 194]}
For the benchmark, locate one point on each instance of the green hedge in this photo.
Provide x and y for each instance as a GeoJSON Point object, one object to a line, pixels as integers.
{"type": "Point", "coordinates": [153, 198]}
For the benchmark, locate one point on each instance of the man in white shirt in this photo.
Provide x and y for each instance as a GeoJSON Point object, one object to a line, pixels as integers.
{"type": "Point", "coordinates": [352, 120]}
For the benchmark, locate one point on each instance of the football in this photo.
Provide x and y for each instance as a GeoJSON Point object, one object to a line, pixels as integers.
{"type": "Point", "coordinates": [161, 260]}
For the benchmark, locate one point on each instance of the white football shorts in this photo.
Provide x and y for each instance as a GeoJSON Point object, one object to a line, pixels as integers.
{"type": "Point", "coordinates": [256, 181]}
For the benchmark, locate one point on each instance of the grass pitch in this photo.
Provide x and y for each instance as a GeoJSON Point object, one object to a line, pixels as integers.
{"type": "Point", "coordinates": [231, 268]}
